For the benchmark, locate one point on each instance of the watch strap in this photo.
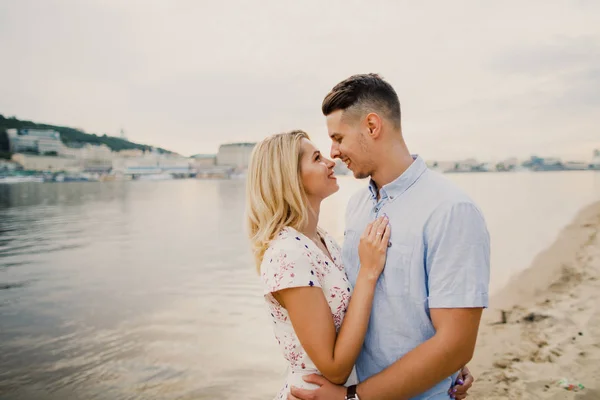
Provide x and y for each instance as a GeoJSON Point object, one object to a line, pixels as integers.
{"type": "Point", "coordinates": [351, 393]}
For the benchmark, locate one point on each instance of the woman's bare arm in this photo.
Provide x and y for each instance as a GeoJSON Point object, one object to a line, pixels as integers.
{"type": "Point", "coordinates": [335, 354]}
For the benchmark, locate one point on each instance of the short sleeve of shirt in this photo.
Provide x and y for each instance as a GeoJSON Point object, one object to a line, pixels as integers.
{"type": "Point", "coordinates": [287, 264]}
{"type": "Point", "coordinates": [457, 257]}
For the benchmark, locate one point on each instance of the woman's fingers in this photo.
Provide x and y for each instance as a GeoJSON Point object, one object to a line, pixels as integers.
{"type": "Point", "coordinates": [375, 229]}
{"type": "Point", "coordinates": [385, 238]}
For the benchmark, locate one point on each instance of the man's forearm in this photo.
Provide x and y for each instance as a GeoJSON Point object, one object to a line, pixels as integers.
{"type": "Point", "coordinates": [418, 371]}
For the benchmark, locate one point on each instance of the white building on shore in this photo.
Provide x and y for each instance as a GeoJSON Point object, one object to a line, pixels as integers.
{"type": "Point", "coordinates": [40, 141]}
{"type": "Point", "coordinates": [102, 160]}
{"type": "Point", "coordinates": [137, 162]}
{"type": "Point", "coordinates": [236, 155]}
{"type": "Point", "coordinates": [204, 160]}
{"type": "Point", "coordinates": [92, 158]}
{"type": "Point", "coordinates": [34, 162]}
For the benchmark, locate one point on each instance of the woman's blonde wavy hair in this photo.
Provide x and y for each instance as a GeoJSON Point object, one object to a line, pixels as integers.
{"type": "Point", "coordinates": [275, 196]}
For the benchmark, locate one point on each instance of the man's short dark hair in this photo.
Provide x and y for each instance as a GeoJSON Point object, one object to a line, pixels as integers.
{"type": "Point", "coordinates": [361, 94]}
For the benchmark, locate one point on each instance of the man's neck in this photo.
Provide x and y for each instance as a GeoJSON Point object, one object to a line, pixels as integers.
{"type": "Point", "coordinates": [392, 165]}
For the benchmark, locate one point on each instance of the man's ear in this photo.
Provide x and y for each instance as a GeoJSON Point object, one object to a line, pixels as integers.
{"type": "Point", "coordinates": [374, 125]}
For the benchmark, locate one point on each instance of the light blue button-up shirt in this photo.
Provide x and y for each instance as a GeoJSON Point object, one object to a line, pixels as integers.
{"type": "Point", "coordinates": [439, 258]}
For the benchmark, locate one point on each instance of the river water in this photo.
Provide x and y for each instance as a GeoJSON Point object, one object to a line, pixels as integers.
{"type": "Point", "coordinates": [146, 290]}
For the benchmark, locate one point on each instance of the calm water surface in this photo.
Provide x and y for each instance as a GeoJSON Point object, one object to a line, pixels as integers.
{"type": "Point", "coordinates": [143, 290]}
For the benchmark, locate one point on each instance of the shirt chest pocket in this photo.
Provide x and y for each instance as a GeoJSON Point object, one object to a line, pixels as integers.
{"type": "Point", "coordinates": [395, 279]}
{"type": "Point", "coordinates": [396, 275]}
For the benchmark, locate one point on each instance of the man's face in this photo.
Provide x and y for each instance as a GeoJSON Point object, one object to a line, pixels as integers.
{"type": "Point", "coordinates": [350, 144]}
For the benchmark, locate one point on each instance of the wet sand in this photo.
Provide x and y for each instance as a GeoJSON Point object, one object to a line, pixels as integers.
{"type": "Point", "coordinates": [545, 324]}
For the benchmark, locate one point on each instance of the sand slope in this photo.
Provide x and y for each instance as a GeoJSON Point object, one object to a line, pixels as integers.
{"type": "Point", "coordinates": [552, 329]}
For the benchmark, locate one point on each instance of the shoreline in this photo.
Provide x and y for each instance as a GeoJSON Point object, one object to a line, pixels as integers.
{"type": "Point", "coordinates": [544, 325]}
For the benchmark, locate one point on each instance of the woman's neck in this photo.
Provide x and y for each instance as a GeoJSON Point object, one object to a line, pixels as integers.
{"type": "Point", "coordinates": [311, 228]}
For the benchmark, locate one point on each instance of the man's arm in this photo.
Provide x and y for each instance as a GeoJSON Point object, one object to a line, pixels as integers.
{"type": "Point", "coordinates": [457, 258]}
{"type": "Point", "coordinates": [434, 360]}
{"type": "Point", "coordinates": [419, 370]}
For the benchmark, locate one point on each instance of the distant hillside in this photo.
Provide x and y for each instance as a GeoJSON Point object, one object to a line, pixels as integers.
{"type": "Point", "coordinates": [70, 137]}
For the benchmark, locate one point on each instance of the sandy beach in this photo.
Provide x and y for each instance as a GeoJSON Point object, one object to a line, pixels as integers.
{"type": "Point", "coordinates": [545, 324]}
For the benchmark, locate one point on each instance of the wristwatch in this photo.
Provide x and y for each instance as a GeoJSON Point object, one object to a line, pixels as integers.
{"type": "Point", "coordinates": [351, 393]}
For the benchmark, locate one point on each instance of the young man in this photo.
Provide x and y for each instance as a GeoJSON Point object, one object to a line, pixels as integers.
{"type": "Point", "coordinates": [430, 297]}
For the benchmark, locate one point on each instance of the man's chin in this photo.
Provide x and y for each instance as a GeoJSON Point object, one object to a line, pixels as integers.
{"type": "Point", "coordinates": [360, 175]}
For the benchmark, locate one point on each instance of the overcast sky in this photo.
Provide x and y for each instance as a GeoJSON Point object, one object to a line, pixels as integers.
{"type": "Point", "coordinates": [489, 79]}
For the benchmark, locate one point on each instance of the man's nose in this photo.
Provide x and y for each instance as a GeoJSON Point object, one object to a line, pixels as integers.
{"type": "Point", "coordinates": [335, 152]}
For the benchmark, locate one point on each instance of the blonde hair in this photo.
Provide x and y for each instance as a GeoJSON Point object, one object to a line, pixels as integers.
{"type": "Point", "coordinates": [275, 196]}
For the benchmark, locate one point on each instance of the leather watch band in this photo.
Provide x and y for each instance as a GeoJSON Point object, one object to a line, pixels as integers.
{"type": "Point", "coordinates": [351, 393]}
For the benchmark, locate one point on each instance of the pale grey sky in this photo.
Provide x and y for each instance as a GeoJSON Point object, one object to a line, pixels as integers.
{"type": "Point", "coordinates": [482, 78]}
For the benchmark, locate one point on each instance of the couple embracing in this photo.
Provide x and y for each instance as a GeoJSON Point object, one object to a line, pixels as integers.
{"type": "Point", "coordinates": [393, 313]}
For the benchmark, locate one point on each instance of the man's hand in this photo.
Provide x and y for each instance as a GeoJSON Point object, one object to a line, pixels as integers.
{"type": "Point", "coordinates": [327, 390]}
{"type": "Point", "coordinates": [463, 383]}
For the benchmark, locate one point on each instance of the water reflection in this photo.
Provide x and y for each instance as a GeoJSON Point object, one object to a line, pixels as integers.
{"type": "Point", "coordinates": [65, 195]}
{"type": "Point", "coordinates": [117, 290]}
{"type": "Point", "coordinates": [147, 289]}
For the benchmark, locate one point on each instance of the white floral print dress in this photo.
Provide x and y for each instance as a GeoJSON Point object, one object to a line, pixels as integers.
{"type": "Point", "coordinates": [293, 260]}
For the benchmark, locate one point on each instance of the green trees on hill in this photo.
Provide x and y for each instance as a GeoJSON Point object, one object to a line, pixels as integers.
{"type": "Point", "coordinates": [70, 137]}
{"type": "Point", "coordinates": [4, 149]}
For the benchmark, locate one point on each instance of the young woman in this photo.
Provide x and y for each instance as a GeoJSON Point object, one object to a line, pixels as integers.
{"type": "Point", "coordinates": [319, 319]}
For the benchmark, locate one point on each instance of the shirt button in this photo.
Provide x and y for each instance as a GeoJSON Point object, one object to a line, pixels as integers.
{"type": "Point", "coordinates": [389, 244]}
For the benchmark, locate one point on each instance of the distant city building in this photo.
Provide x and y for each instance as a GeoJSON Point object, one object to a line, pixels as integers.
{"type": "Point", "coordinates": [90, 152]}
{"type": "Point", "coordinates": [204, 160]}
{"type": "Point", "coordinates": [32, 162]}
{"type": "Point", "coordinates": [39, 141]}
{"type": "Point", "coordinates": [469, 165]}
{"type": "Point", "coordinates": [536, 163]}
{"type": "Point", "coordinates": [215, 172]}
{"type": "Point", "coordinates": [440, 166]}
{"type": "Point", "coordinates": [175, 164]}
{"type": "Point", "coordinates": [92, 158]}
{"type": "Point", "coordinates": [8, 166]}
{"type": "Point", "coordinates": [235, 154]}
{"type": "Point", "coordinates": [130, 153]}
{"type": "Point", "coordinates": [575, 165]}
{"type": "Point", "coordinates": [97, 158]}
{"type": "Point", "coordinates": [149, 163]}
{"type": "Point", "coordinates": [509, 164]}
{"type": "Point", "coordinates": [595, 163]}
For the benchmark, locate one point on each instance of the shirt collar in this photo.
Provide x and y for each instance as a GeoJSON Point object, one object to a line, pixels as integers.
{"type": "Point", "coordinates": [396, 187]}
